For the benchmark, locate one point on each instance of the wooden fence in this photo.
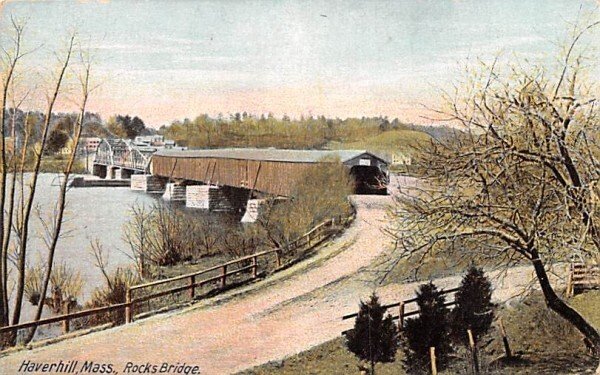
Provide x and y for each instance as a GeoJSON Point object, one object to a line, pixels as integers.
{"type": "Point", "coordinates": [247, 264]}
{"type": "Point", "coordinates": [582, 277]}
{"type": "Point", "coordinates": [402, 307]}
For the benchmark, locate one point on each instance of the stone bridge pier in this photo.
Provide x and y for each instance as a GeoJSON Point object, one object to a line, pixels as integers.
{"type": "Point", "coordinates": [208, 197]}
{"type": "Point", "coordinates": [174, 191]}
{"type": "Point", "coordinates": [216, 198]}
{"type": "Point", "coordinates": [100, 170]}
{"type": "Point", "coordinates": [148, 183]}
{"type": "Point", "coordinates": [253, 210]}
{"type": "Point", "coordinates": [126, 173]}
{"type": "Point", "coordinates": [112, 172]}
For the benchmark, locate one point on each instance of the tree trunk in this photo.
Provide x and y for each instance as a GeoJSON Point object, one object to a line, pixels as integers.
{"type": "Point", "coordinates": [556, 304]}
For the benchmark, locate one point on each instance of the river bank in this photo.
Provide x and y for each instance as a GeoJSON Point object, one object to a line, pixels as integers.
{"type": "Point", "coordinates": [96, 215]}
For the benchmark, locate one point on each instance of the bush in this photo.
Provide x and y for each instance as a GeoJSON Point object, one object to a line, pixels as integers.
{"type": "Point", "coordinates": [374, 338]}
{"type": "Point", "coordinates": [240, 242]}
{"type": "Point", "coordinates": [473, 309]}
{"type": "Point", "coordinates": [160, 236]}
{"type": "Point", "coordinates": [67, 280]}
{"type": "Point", "coordinates": [430, 329]}
{"type": "Point", "coordinates": [33, 283]}
{"type": "Point", "coordinates": [113, 293]}
{"type": "Point", "coordinates": [285, 221]}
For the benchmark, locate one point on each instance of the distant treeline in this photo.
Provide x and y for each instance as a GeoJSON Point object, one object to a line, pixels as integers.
{"type": "Point", "coordinates": [23, 130]}
{"type": "Point", "coordinates": [237, 130]}
{"type": "Point", "coordinates": [18, 122]}
{"type": "Point", "coordinates": [243, 130]}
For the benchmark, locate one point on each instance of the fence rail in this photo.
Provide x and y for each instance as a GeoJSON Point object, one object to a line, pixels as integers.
{"type": "Point", "coordinates": [312, 238]}
{"type": "Point", "coordinates": [64, 317]}
{"type": "Point", "coordinates": [582, 277]}
{"type": "Point", "coordinates": [402, 314]}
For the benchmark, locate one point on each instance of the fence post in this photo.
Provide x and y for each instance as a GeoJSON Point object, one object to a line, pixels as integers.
{"type": "Point", "coordinates": [192, 287]}
{"type": "Point", "coordinates": [569, 291]}
{"type": "Point", "coordinates": [66, 310]}
{"type": "Point", "coordinates": [254, 267]}
{"type": "Point", "coordinates": [128, 307]}
{"type": "Point", "coordinates": [401, 316]}
{"type": "Point", "coordinates": [57, 300]}
{"type": "Point", "coordinates": [504, 339]}
{"type": "Point", "coordinates": [223, 276]}
{"type": "Point", "coordinates": [432, 358]}
{"type": "Point", "coordinates": [473, 352]}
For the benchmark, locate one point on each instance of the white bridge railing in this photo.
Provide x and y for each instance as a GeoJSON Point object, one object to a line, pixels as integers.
{"type": "Point", "coordinates": [122, 153]}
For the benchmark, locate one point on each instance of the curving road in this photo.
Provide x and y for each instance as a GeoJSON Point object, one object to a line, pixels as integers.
{"type": "Point", "coordinates": [285, 314]}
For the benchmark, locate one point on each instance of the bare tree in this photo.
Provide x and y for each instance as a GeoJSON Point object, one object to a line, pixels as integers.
{"type": "Point", "coordinates": [17, 198]}
{"type": "Point", "coordinates": [101, 258]}
{"type": "Point", "coordinates": [26, 210]}
{"type": "Point", "coordinates": [84, 81]}
{"type": "Point", "coordinates": [55, 234]}
{"type": "Point", "coordinates": [10, 59]}
{"type": "Point", "coordinates": [239, 242]}
{"type": "Point", "coordinates": [159, 236]}
{"type": "Point", "coordinates": [136, 233]}
{"type": "Point", "coordinates": [209, 233]}
{"type": "Point", "coordinates": [519, 183]}
{"type": "Point", "coordinates": [14, 181]}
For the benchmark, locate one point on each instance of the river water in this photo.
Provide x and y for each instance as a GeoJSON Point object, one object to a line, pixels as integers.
{"type": "Point", "coordinates": [91, 213]}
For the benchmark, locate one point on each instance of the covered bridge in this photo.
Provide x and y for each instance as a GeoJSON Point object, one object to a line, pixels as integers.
{"type": "Point", "coordinates": [271, 171]}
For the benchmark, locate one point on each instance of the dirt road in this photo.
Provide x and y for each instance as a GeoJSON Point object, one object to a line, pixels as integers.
{"type": "Point", "coordinates": [290, 312]}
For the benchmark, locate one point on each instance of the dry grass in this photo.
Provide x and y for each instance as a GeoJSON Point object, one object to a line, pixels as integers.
{"type": "Point", "coordinates": [67, 280]}
{"type": "Point", "coordinates": [33, 283]}
{"type": "Point", "coordinates": [328, 358]}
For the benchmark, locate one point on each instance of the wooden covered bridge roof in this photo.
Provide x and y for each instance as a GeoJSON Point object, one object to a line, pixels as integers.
{"type": "Point", "coordinates": [272, 171]}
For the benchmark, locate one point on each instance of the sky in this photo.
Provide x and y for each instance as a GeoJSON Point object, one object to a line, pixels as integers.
{"type": "Point", "coordinates": [164, 60]}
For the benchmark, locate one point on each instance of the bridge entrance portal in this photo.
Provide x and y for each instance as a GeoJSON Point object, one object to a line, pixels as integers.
{"type": "Point", "coordinates": [369, 180]}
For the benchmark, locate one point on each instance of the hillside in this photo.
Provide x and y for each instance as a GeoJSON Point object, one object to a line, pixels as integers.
{"type": "Point", "coordinates": [386, 143]}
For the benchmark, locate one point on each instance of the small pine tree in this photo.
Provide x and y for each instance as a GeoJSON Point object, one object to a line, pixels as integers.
{"type": "Point", "coordinates": [429, 329]}
{"type": "Point", "coordinates": [374, 338]}
{"type": "Point", "coordinates": [473, 309]}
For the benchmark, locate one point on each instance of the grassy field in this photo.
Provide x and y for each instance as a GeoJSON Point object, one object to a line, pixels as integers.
{"type": "Point", "coordinates": [386, 142]}
{"type": "Point", "coordinates": [57, 163]}
{"type": "Point", "coordinates": [542, 341]}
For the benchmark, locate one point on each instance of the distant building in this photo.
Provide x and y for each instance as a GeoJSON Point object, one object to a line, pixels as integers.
{"type": "Point", "coordinates": [150, 140]}
{"type": "Point", "coordinates": [399, 158]}
{"type": "Point", "coordinates": [157, 141]}
{"type": "Point", "coordinates": [66, 149]}
{"type": "Point", "coordinates": [90, 144]}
